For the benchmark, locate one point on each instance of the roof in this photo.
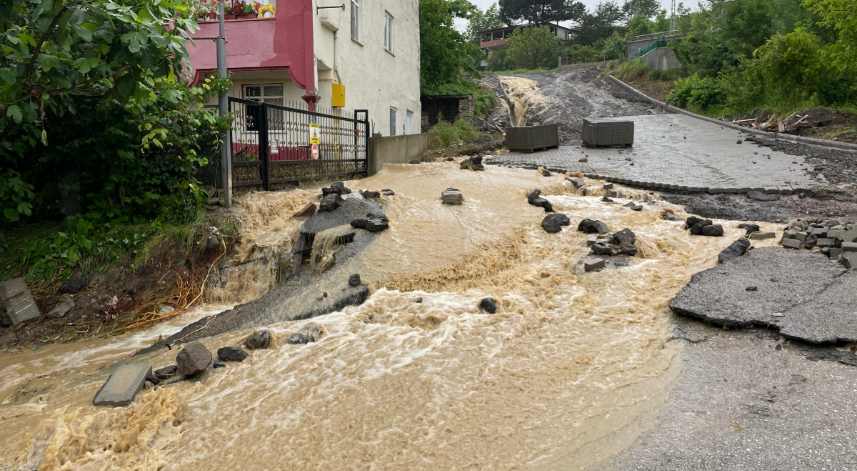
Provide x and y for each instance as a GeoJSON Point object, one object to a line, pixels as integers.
{"type": "Point", "coordinates": [521, 26]}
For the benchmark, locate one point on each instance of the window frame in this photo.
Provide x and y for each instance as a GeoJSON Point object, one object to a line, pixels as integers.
{"type": "Point", "coordinates": [262, 98]}
{"type": "Point", "coordinates": [355, 20]}
{"type": "Point", "coordinates": [409, 122]}
{"type": "Point", "coordinates": [394, 115]}
{"type": "Point", "coordinates": [388, 32]}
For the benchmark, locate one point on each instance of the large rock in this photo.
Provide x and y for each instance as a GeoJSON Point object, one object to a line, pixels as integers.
{"type": "Point", "coordinates": [371, 223]}
{"type": "Point", "coordinates": [749, 227]}
{"type": "Point", "coordinates": [231, 354]}
{"type": "Point", "coordinates": [535, 199]}
{"type": "Point", "coordinates": [308, 334]}
{"type": "Point", "coordinates": [73, 285]}
{"type": "Point", "coordinates": [625, 237]}
{"type": "Point", "coordinates": [452, 196]}
{"type": "Point", "coordinates": [800, 293]}
{"type": "Point", "coordinates": [329, 203]}
{"type": "Point", "coordinates": [735, 250]}
{"type": "Point", "coordinates": [123, 385]}
{"type": "Point", "coordinates": [193, 359]}
{"type": "Point", "coordinates": [258, 340]}
{"type": "Point", "coordinates": [713, 230]}
{"type": "Point", "coordinates": [488, 305]}
{"type": "Point", "coordinates": [472, 163]}
{"type": "Point", "coordinates": [588, 226]}
{"type": "Point", "coordinates": [699, 228]}
{"type": "Point", "coordinates": [166, 372]}
{"type": "Point", "coordinates": [553, 222]}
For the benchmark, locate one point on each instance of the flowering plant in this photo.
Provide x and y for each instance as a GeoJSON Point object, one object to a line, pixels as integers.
{"type": "Point", "coordinates": [204, 7]}
{"type": "Point", "coordinates": [241, 8]}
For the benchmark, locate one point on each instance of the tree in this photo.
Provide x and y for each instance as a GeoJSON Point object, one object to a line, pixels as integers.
{"type": "Point", "coordinates": [639, 25]}
{"type": "Point", "coordinates": [841, 15]}
{"type": "Point", "coordinates": [534, 48]}
{"type": "Point", "coordinates": [481, 21]}
{"type": "Point", "coordinates": [646, 8]}
{"type": "Point", "coordinates": [444, 52]}
{"type": "Point", "coordinates": [615, 47]}
{"type": "Point", "coordinates": [55, 52]}
{"type": "Point", "coordinates": [540, 12]}
{"type": "Point", "coordinates": [600, 24]}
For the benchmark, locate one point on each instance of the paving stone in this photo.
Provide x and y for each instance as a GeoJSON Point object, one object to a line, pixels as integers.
{"type": "Point", "coordinates": [849, 246]}
{"type": "Point", "coordinates": [824, 242]}
{"type": "Point", "coordinates": [850, 261]}
{"type": "Point", "coordinates": [834, 253]}
{"type": "Point", "coordinates": [608, 186]}
{"type": "Point", "coordinates": [595, 264]}
{"type": "Point", "coordinates": [801, 236]}
{"type": "Point", "coordinates": [819, 231]}
{"type": "Point", "coordinates": [792, 243]}
{"type": "Point", "coordinates": [13, 287]}
{"type": "Point", "coordinates": [123, 385]}
{"type": "Point", "coordinates": [452, 196]}
{"type": "Point", "coordinates": [790, 234]}
{"type": "Point", "coordinates": [762, 235]}
{"type": "Point", "coordinates": [591, 240]}
{"type": "Point", "coordinates": [834, 233]}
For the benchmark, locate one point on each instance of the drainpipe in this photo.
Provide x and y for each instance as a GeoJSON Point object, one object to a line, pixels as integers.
{"type": "Point", "coordinates": [223, 110]}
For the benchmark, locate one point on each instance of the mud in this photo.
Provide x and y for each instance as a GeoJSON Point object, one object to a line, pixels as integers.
{"type": "Point", "coordinates": [787, 208]}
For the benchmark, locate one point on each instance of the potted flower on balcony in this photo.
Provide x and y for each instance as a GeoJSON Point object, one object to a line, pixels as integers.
{"type": "Point", "coordinates": [206, 9]}
{"type": "Point", "coordinates": [242, 9]}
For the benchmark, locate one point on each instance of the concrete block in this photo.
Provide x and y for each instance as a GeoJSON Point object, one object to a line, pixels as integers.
{"type": "Point", "coordinates": [61, 309]}
{"type": "Point", "coordinates": [591, 240]}
{"type": "Point", "coordinates": [578, 183]}
{"type": "Point", "coordinates": [849, 247]}
{"type": "Point", "coordinates": [452, 196]}
{"type": "Point", "coordinates": [801, 236]}
{"type": "Point", "coordinates": [13, 287]}
{"type": "Point", "coordinates": [772, 190]}
{"type": "Point", "coordinates": [23, 312]}
{"type": "Point", "coordinates": [824, 242]}
{"type": "Point", "coordinates": [792, 243]}
{"type": "Point", "coordinates": [834, 233]}
{"type": "Point", "coordinates": [834, 254]}
{"type": "Point", "coordinates": [608, 186]}
{"type": "Point", "coordinates": [849, 235]}
{"type": "Point", "coordinates": [602, 228]}
{"type": "Point", "coordinates": [786, 191]}
{"type": "Point", "coordinates": [790, 234]}
{"type": "Point", "coordinates": [819, 231]}
{"type": "Point", "coordinates": [762, 235]}
{"type": "Point", "coordinates": [849, 260]}
{"type": "Point", "coordinates": [123, 385]}
{"type": "Point", "coordinates": [595, 264]}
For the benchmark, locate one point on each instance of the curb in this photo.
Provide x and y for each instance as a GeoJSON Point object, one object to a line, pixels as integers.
{"type": "Point", "coordinates": [770, 135]}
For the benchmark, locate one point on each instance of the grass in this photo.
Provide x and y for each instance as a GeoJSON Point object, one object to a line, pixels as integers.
{"type": "Point", "coordinates": [446, 134]}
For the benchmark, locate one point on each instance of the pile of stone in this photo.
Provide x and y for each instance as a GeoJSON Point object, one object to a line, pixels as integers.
{"type": "Point", "coordinates": [535, 199]}
{"type": "Point", "coordinates": [703, 227]}
{"type": "Point", "coordinates": [835, 240]}
{"type": "Point", "coordinates": [332, 197]}
{"type": "Point", "coordinates": [472, 163]}
{"type": "Point", "coordinates": [620, 243]}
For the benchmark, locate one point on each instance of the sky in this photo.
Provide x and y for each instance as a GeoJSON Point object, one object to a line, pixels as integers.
{"type": "Point", "coordinates": [590, 4]}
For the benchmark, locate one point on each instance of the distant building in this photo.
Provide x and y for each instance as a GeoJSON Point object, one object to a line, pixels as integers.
{"type": "Point", "coordinates": [652, 49]}
{"type": "Point", "coordinates": [496, 39]}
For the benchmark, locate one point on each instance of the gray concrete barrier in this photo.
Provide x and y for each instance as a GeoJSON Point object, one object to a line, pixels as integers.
{"type": "Point", "coordinates": [396, 150]}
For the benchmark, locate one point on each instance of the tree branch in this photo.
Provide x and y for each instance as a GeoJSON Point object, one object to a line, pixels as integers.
{"type": "Point", "coordinates": [39, 44]}
{"type": "Point", "coordinates": [88, 82]}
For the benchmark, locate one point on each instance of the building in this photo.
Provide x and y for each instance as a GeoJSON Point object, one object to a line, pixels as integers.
{"type": "Point", "coordinates": [653, 50]}
{"type": "Point", "coordinates": [494, 39]}
{"type": "Point", "coordinates": [321, 51]}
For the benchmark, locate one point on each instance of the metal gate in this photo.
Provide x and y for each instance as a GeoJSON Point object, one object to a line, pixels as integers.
{"type": "Point", "coordinates": [272, 144]}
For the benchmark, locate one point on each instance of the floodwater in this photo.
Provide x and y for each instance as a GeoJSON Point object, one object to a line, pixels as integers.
{"type": "Point", "coordinates": [524, 94]}
{"type": "Point", "coordinates": [567, 373]}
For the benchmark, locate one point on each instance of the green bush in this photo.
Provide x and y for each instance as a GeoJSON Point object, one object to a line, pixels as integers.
{"type": "Point", "coordinates": [498, 60]}
{"type": "Point", "coordinates": [697, 93]}
{"type": "Point", "coordinates": [632, 70]}
{"type": "Point", "coordinates": [534, 48]}
{"type": "Point", "coordinates": [446, 133]}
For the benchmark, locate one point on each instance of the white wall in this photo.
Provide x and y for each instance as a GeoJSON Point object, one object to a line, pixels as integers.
{"type": "Point", "coordinates": [374, 79]}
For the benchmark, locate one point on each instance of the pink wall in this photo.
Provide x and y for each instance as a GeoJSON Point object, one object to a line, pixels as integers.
{"type": "Point", "coordinates": [282, 42]}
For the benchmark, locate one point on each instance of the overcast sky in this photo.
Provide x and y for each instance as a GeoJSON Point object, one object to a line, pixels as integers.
{"type": "Point", "coordinates": [590, 4]}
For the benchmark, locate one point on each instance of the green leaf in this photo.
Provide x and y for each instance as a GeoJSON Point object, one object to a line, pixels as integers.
{"type": "Point", "coordinates": [84, 33]}
{"type": "Point", "coordinates": [125, 86]}
{"type": "Point", "coordinates": [7, 75]}
{"type": "Point", "coordinates": [11, 214]}
{"type": "Point", "coordinates": [48, 62]}
{"type": "Point", "coordinates": [15, 112]}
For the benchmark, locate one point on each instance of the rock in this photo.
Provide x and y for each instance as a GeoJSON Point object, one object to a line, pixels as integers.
{"type": "Point", "coordinates": [578, 183]}
{"type": "Point", "coordinates": [606, 249]}
{"type": "Point", "coordinates": [388, 192]}
{"type": "Point", "coordinates": [625, 237]}
{"type": "Point", "coordinates": [123, 385]}
{"type": "Point", "coordinates": [258, 340]}
{"type": "Point", "coordinates": [165, 309]}
{"type": "Point", "coordinates": [452, 196]}
{"type": "Point", "coordinates": [306, 211]}
{"type": "Point", "coordinates": [231, 354]}
{"type": "Point", "coordinates": [308, 334]}
{"type": "Point", "coordinates": [370, 194]}
{"type": "Point", "coordinates": [415, 162]}
{"type": "Point", "coordinates": [762, 196]}
{"type": "Point", "coordinates": [810, 241]}
{"type": "Point", "coordinates": [792, 243]}
{"type": "Point", "coordinates": [546, 173]}
{"type": "Point", "coordinates": [193, 359]}
{"type": "Point", "coordinates": [329, 203]}
{"type": "Point", "coordinates": [62, 308]}
{"type": "Point", "coordinates": [697, 228]}
{"type": "Point", "coordinates": [594, 264]}
{"type": "Point", "coordinates": [849, 259]}
{"type": "Point", "coordinates": [693, 220]}
{"type": "Point", "coordinates": [339, 188]}
{"type": "Point", "coordinates": [670, 216]}
{"type": "Point", "coordinates": [212, 242]}
{"type": "Point", "coordinates": [636, 207]}
{"type": "Point", "coordinates": [739, 141]}
{"type": "Point", "coordinates": [735, 250]}
{"type": "Point", "coordinates": [762, 235]}
{"type": "Point", "coordinates": [591, 240]}
{"type": "Point", "coordinates": [449, 159]}
{"type": "Point", "coordinates": [749, 227]}
{"type": "Point", "coordinates": [535, 199]}
{"type": "Point", "coordinates": [488, 305]}
{"type": "Point", "coordinates": [583, 159]}
{"type": "Point", "coordinates": [713, 230]}
{"type": "Point", "coordinates": [73, 285]}
{"type": "Point", "coordinates": [371, 224]}
{"type": "Point", "coordinates": [354, 280]}
{"type": "Point", "coordinates": [588, 226]}
{"type": "Point", "coordinates": [472, 163]}
{"type": "Point", "coordinates": [167, 372]}
{"type": "Point", "coordinates": [814, 295]}
{"type": "Point", "coordinates": [553, 223]}
{"type": "Point", "coordinates": [216, 364]}
{"type": "Point", "coordinates": [606, 199]}
{"type": "Point", "coordinates": [608, 186]}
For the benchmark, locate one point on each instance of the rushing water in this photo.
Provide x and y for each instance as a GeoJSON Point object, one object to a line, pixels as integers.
{"type": "Point", "coordinates": [567, 372]}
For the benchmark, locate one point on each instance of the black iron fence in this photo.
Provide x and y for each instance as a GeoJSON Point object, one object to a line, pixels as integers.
{"type": "Point", "coordinates": [272, 144]}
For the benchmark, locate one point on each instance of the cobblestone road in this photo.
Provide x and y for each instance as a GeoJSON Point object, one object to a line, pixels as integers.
{"type": "Point", "coordinates": [678, 152]}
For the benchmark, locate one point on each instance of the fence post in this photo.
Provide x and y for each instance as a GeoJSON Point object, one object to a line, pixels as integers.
{"type": "Point", "coordinates": [264, 155]}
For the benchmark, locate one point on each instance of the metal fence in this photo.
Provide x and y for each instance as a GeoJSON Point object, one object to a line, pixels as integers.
{"type": "Point", "coordinates": [272, 144]}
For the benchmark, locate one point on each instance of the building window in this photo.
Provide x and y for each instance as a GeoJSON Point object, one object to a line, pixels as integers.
{"type": "Point", "coordinates": [388, 32]}
{"type": "Point", "coordinates": [409, 122]}
{"type": "Point", "coordinates": [271, 94]}
{"type": "Point", "coordinates": [393, 113]}
{"type": "Point", "coordinates": [355, 20]}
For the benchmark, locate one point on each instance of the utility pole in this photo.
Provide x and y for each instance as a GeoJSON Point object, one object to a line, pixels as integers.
{"type": "Point", "coordinates": [223, 111]}
{"type": "Point", "coordinates": [672, 18]}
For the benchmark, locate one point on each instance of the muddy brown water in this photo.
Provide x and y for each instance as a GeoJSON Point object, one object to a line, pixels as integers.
{"type": "Point", "coordinates": [566, 374]}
